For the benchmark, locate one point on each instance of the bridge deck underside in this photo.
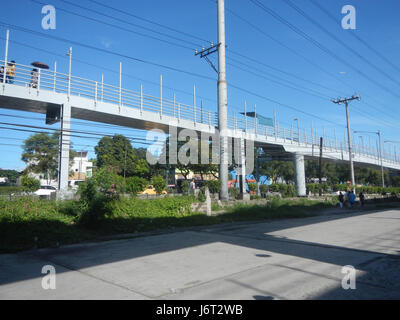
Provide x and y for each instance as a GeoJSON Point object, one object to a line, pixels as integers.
{"type": "Point", "coordinates": [274, 151]}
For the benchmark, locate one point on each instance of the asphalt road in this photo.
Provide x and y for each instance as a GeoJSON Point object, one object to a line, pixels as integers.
{"type": "Point", "coordinates": [288, 259]}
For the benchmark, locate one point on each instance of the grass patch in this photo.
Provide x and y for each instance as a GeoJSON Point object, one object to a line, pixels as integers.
{"type": "Point", "coordinates": [50, 222]}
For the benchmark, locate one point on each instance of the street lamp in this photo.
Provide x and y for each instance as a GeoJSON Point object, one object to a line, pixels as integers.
{"type": "Point", "coordinates": [298, 129]}
{"type": "Point", "coordinates": [380, 151]}
{"type": "Point", "coordinates": [362, 143]}
{"type": "Point", "coordinates": [392, 141]}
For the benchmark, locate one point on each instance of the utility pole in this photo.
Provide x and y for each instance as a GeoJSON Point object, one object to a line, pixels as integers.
{"type": "Point", "coordinates": [222, 96]}
{"type": "Point", "coordinates": [346, 102]}
{"type": "Point", "coordinates": [321, 141]}
{"type": "Point", "coordinates": [380, 155]}
{"type": "Point", "coordinates": [222, 102]}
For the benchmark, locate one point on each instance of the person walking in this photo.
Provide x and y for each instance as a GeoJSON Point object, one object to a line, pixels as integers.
{"type": "Point", "coordinates": [34, 78]}
{"type": "Point", "coordinates": [10, 72]}
{"type": "Point", "coordinates": [1, 74]}
{"type": "Point", "coordinates": [361, 197]}
{"type": "Point", "coordinates": [352, 198]}
{"type": "Point", "coordinates": [192, 186]}
{"type": "Point", "coordinates": [341, 200]}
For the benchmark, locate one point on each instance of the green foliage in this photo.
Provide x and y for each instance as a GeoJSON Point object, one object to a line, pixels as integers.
{"type": "Point", "coordinates": [12, 175]}
{"type": "Point", "coordinates": [134, 185]}
{"type": "Point", "coordinates": [315, 188]}
{"type": "Point", "coordinates": [118, 152]}
{"type": "Point", "coordinates": [286, 190]}
{"type": "Point", "coordinates": [185, 186]}
{"type": "Point", "coordinates": [234, 192]}
{"type": "Point", "coordinates": [215, 207]}
{"type": "Point", "coordinates": [10, 189]}
{"type": "Point", "coordinates": [252, 187]}
{"type": "Point", "coordinates": [140, 208]}
{"type": "Point", "coordinates": [40, 151]}
{"type": "Point", "coordinates": [96, 194]}
{"type": "Point", "coordinates": [214, 186]}
{"type": "Point", "coordinates": [158, 183]}
{"type": "Point", "coordinates": [263, 188]}
{"type": "Point", "coordinates": [201, 196]}
{"type": "Point", "coordinates": [195, 151]}
{"type": "Point", "coordinates": [396, 181]}
{"type": "Point", "coordinates": [277, 169]}
{"type": "Point", "coordinates": [30, 184]}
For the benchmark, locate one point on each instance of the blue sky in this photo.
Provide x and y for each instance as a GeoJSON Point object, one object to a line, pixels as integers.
{"type": "Point", "coordinates": [288, 55]}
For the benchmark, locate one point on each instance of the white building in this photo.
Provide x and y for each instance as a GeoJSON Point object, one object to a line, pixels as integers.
{"type": "Point", "coordinates": [80, 170]}
{"type": "Point", "coordinates": [81, 167]}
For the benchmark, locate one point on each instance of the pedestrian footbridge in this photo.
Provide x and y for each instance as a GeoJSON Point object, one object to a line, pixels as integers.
{"type": "Point", "coordinates": [63, 96]}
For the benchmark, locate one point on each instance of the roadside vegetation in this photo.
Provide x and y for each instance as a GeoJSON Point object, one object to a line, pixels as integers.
{"type": "Point", "coordinates": [26, 223]}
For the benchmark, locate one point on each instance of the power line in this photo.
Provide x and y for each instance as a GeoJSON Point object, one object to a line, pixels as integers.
{"type": "Point", "coordinates": [40, 34]}
{"type": "Point", "coordinates": [318, 44]}
{"type": "Point", "coordinates": [301, 12]}
{"type": "Point", "coordinates": [48, 36]}
{"type": "Point", "coordinates": [115, 26]}
{"type": "Point", "coordinates": [63, 56]}
{"type": "Point", "coordinates": [150, 21]}
{"type": "Point", "coordinates": [295, 52]}
{"type": "Point", "coordinates": [365, 43]}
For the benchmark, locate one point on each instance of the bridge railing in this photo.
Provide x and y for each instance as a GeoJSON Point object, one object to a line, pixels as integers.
{"type": "Point", "coordinates": [98, 91]}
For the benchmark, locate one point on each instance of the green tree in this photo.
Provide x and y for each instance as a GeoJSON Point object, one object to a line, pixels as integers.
{"type": "Point", "coordinates": [41, 153]}
{"type": "Point", "coordinates": [252, 187]}
{"type": "Point", "coordinates": [158, 183]}
{"type": "Point", "coordinates": [118, 153]}
{"type": "Point", "coordinates": [11, 175]}
{"type": "Point", "coordinates": [29, 184]}
{"type": "Point", "coordinates": [277, 169]}
{"type": "Point", "coordinates": [134, 185]}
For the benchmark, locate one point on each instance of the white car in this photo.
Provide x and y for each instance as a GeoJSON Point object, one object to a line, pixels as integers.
{"type": "Point", "coordinates": [45, 190]}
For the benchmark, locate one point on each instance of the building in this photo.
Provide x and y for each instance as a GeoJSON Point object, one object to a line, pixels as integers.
{"type": "Point", "coordinates": [81, 167]}
{"type": "Point", "coordinates": [80, 170]}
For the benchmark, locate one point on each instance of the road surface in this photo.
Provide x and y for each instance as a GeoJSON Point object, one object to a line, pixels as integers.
{"type": "Point", "coordinates": [287, 259]}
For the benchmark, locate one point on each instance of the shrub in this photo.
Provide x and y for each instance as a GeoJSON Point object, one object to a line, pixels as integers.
{"type": "Point", "coordinates": [201, 196]}
{"type": "Point", "coordinates": [234, 192]}
{"type": "Point", "coordinates": [252, 187]}
{"type": "Point", "coordinates": [134, 185]}
{"type": "Point", "coordinates": [158, 183]}
{"type": "Point", "coordinates": [30, 184]}
{"type": "Point", "coordinates": [263, 188]}
{"type": "Point", "coordinates": [96, 194]}
{"type": "Point", "coordinates": [286, 190]}
{"type": "Point", "coordinates": [185, 186]}
{"type": "Point", "coordinates": [214, 186]}
{"type": "Point", "coordinates": [10, 189]}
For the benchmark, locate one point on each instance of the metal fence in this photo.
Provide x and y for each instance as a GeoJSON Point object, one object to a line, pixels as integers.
{"type": "Point", "coordinates": [101, 92]}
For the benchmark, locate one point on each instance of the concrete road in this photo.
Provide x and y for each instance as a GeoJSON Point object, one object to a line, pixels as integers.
{"type": "Point", "coordinates": [288, 259]}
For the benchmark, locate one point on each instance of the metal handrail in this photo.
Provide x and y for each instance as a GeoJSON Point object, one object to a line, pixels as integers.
{"type": "Point", "coordinates": [102, 92]}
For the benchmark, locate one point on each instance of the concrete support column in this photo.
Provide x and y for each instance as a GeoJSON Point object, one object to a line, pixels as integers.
{"type": "Point", "coordinates": [242, 170]}
{"type": "Point", "coordinates": [63, 164]}
{"type": "Point", "coordinates": [300, 176]}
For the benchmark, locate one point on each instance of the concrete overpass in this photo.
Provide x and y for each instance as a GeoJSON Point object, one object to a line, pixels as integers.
{"type": "Point", "coordinates": [62, 97]}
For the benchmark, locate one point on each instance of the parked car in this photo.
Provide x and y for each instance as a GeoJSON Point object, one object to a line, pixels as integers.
{"type": "Point", "coordinates": [151, 190]}
{"type": "Point", "coordinates": [45, 190]}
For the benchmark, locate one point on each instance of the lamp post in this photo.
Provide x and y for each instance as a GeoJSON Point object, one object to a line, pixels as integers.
{"type": "Point", "coordinates": [392, 141]}
{"type": "Point", "coordinates": [298, 129]}
{"type": "Point", "coordinates": [380, 151]}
